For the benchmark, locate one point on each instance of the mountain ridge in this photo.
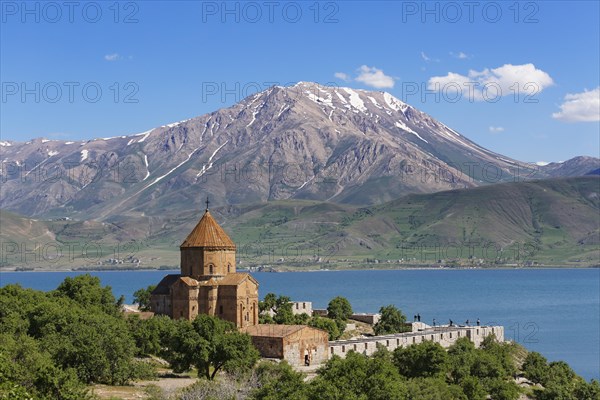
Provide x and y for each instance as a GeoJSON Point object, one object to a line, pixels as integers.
{"type": "Point", "coordinates": [302, 142]}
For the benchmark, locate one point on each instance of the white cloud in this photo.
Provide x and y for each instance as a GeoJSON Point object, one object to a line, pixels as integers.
{"type": "Point", "coordinates": [112, 57]}
{"type": "Point", "coordinates": [343, 76]}
{"type": "Point", "coordinates": [426, 58]}
{"type": "Point", "coordinates": [459, 55]}
{"type": "Point", "coordinates": [580, 107]}
{"type": "Point", "coordinates": [491, 84]}
{"type": "Point", "coordinates": [374, 77]}
{"type": "Point", "coordinates": [450, 82]}
{"type": "Point", "coordinates": [496, 129]}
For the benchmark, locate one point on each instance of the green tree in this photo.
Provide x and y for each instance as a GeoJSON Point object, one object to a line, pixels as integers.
{"type": "Point", "coordinates": [339, 308]}
{"type": "Point", "coordinates": [279, 381]}
{"type": "Point", "coordinates": [151, 334]}
{"type": "Point", "coordinates": [486, 365]}
{"type": "Point", "coordinates": [392, 321]}
{"type": "Point", "coordinates": [27, 372]}
{"type": "Point", "coordinates": [535, 367]}
{"type": "Point", "coordinates": [15, 305]}
{"type": "Point", "coordinates": [268, 303]}
{"type": "Point", "coordinates": [279, 306]}
{"type": "Point", "coordinates": [327, 325]}
{"type": "Point", "coordinates": [265, 319]}
{"type": "Point", "coordinates": [560, 373]}
{"type": "Point", "coordinates": [472, 388]}
{"type": "Point", "coordinates": [384, 382]}
{"type": "Point", "coordinates": [97, 345]}
{"type": "Point", "coordinates": [210, 344]}
{"type": "Point", "coordinates": [141, 297]}
{"type": "Point", "coordinates": [555, 391]}
{"type": "Point", "coordinates": [433, 389]}
{"type": "Point", "coordinates": [427, 359]}
{"type": "Point", "coordinates": [301, 319]}
{"type": "Point", "coordinates": [283, 311]}
{"type": "Point", "coordinates": [358, 377]}
{"type": "Point", "coordinates": [461, 357]}
{"type": "Point", "coordinates": [584, 390]}
{"type": "Point", "coordinates": [79, 328]}
{"type": "Point", "coordinates": [87, 290]}
{"type": "Point", "coordinates": [501, 389]}
{"type": "Point", "coordinates": [502, 351]}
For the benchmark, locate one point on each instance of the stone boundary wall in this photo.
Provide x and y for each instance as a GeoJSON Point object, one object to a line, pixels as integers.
{"type": "Point", "coordinates": [366, 318]}
{"type": "Point", "coordinates": [444, 335]}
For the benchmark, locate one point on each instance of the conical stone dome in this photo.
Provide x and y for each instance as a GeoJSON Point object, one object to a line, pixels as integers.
{"type": "Point", "coordinates": [208, 234]}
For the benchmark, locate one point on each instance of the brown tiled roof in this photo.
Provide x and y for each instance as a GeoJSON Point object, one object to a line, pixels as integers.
{"type": "Point", "coordinates": [208, 233]}
{"type": "Point", "coordinates": [165, 284]}
{"type": "Point", "coordinates": [210, 282]}
{"type": "Point", "coordinates": [272, 330]}
{"type": "Point", "coordinates": [189, 281]}
{"type": "Point", "coordinates": [232, 279]}
{"type": "Point", "coordinates": [235, 279]}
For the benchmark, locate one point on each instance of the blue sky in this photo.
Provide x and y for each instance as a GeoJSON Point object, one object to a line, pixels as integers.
{"type": "Point", "coordinates": [160, 62]}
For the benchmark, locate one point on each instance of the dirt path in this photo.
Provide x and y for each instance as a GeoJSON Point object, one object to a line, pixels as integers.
{"type": "Point", "coordinates": [168, 385]}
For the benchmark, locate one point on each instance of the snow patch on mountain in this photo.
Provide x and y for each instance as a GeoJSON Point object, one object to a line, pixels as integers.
{"type": "Point", "coordinates": [320, 100]}
{"type": "Point", "coordinates": [168, 173]}
{"type": "Point", "coordinates": [144, 134]}
{"type": "Point", "coordinates": [171, 125]}
{"type": "Point", "coordinates": [283, 109]}
{"type": "Point", "coordinates": [404, 127]}
{"type": "Point", "coordinates": [304, 184]}
{"type": "Point", "coordinates": [342, 98]}
{"type": "Point", "coordinates": [451, 130]}
{"type": "Point", "coordinates": [84, 155]}
{"type": "Point", "coordinates": [209, 165]}
{"type": "Point", "coordinates": [394, 103]}
{"type": "Point", "coordinates": [114, 137]}
{"type": "Point", "coordinates": [355, 100]}
{"type": "Point", "coordinates": [374, 101]}
{"type": "Point", "coordinates": [147, 169]}
{"type": "Point", "coordinates": [251, 122]}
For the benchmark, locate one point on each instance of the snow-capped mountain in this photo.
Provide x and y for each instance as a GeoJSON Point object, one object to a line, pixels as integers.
{"type": "Point", "coordinates": [302, 142]}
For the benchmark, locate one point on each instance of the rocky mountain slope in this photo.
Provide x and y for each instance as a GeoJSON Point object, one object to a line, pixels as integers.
{"type": "Point", "coordinates": [577, 166]}
{"type": "Point", "coordinates": [303, 142]}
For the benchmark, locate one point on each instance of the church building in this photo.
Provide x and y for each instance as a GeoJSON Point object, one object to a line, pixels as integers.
{"type": "Point", "coordinates": [208, 282]}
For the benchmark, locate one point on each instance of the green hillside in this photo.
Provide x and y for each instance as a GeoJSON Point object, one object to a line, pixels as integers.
{"type": "Point", "coordinates": [547, 222]}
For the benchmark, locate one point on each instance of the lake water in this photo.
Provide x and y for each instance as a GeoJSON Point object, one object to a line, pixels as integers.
{"type": "Point", "coordinates": [553, 311]}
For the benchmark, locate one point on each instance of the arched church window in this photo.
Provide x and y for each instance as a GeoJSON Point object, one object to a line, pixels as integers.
{"type": "Point", "coordinates": [228, 268]}
{"type": "Point", "coordinates": [211, 269]}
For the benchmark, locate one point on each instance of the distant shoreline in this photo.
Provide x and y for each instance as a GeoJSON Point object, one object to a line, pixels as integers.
{"type": "Point", "coordinates": [412, 268]}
